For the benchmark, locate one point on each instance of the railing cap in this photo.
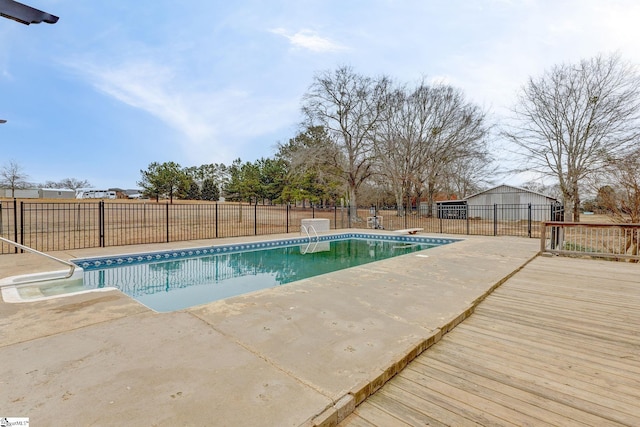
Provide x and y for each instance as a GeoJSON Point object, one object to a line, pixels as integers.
{"type": "Point", "coordinates": [590, 224]}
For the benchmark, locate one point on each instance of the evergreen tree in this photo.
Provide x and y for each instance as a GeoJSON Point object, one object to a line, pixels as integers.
{"type": "Point", "coordinates": [162, 180]}
{"type": "Point", "coordinates": [210, 190]}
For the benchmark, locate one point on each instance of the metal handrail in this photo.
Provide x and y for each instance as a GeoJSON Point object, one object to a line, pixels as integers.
{"type": "Point", "coordinates": [312, 228]}
{"type": "Point", "coordinates": [307, 228]}
{"type": "Point", "coordinates": [71, 265]}
{"type": "Point", "coordinates": [306, 249]}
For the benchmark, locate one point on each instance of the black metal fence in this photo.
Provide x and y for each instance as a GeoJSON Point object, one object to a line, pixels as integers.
{"type": "Point", "coordinates": [55, 226]}
{"type": "Point", "coordinates": [486, 220]}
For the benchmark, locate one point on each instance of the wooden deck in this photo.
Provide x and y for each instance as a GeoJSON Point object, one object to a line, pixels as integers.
{"type": "Point", "coordinates": [557, 344]}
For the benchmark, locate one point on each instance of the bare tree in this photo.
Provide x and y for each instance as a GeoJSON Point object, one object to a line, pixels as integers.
{"type": "Point", "coordinates": [469, 175]}
{"type": "Point", "coordinates": [68, 183]}
{"type": "Point", "coordinates": [398, 145]}
{"type": "Point", "coordinates": [551, 190]}
{"type": "Point", "coordinates": [570, 121]}
{"type": "Point", "coordinates": [426, 134]}
{"type": "Point", "coordinates": [457, 133]}
{"type": "Point", "coordinates": [12, 176]}
{"type": "Point", "coordinates": [349, 106]}
{"type": "Point", "coordinates": [621, 197]}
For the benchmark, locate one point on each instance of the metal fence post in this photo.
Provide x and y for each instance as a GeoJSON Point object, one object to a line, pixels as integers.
{"type": "Point", "coordinates": [216, 220]}
{"type": "Point", "coordinates": [529, 221]}
{"type": "Point", "coordinates": [495, 219]}
{"type": "Point", "coordinates": [21, 225]}
{"type": "Point", "coordinates": [255, 218]}
{"type": "Point", "coordinates": [167, 219]}
{"type": "Point", "coordinates": [335, 217]}
{"type": "Point", "coordinates": [287, 213]}
{"type": "Point", "coordinates": [466, 209]}
{"type": "Point", "coordinates": [101, 224]}
{"type": "Point", "coordinates": [15, 223]}
{"type": "Point", "coordinates": [406, 213]}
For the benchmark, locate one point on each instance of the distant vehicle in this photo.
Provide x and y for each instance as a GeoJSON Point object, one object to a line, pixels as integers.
{"type": "Point", "coordinates": [96, 194]}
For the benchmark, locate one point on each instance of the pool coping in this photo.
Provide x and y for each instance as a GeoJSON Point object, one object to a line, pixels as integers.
{"type": "Point", "coordinates": [9, 285]}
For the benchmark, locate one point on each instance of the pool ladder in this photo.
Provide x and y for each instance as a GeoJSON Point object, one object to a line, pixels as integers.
{"type": "Point", "coordinates": [307, 230]}
{"type": "Point", "coordinates": [71, 265]}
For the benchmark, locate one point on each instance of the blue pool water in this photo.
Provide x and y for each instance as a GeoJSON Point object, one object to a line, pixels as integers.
{"type": "Point", "coordinates": [175, 280]}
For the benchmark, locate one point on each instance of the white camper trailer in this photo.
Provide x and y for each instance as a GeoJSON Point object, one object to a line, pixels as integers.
{"type": "Point", "coordinates": [96, 194]}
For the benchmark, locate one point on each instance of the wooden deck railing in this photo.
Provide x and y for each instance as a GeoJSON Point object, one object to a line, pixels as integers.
{"type": "Point", "coordinates": [618, 241]}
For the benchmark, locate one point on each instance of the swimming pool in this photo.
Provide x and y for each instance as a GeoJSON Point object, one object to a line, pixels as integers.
{"type": "Point", "coordinates": [173, 280]}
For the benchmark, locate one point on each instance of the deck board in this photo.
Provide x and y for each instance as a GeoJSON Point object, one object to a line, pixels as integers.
{"type": "Point", "coordinates": [570, 347]}
{"type": "Point", "coordinates": [557, 344]}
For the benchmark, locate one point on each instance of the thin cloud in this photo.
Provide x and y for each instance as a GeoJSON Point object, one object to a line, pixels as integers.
{"type": "Point", "coordinates": [308, 39]}
{"type": "Point", "coordinates": [147, 86]}
{"type": "Point", "coordinates": [213, 122]}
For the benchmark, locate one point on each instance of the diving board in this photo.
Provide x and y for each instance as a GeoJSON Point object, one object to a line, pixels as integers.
{"type": "Point", "coordinates": [409, 230]}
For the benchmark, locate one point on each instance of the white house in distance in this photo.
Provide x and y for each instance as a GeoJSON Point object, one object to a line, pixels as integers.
{"type": "Point", "coordinates": [512, 202]}
{"type": "Point", "coordinates": [56, 193]}
{"type": "Point", "coordinates": [38, 193]}
{"type": "Point", "coordinates": [28, 193]}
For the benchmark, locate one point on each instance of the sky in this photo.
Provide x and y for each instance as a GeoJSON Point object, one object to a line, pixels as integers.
{"type": "Point", "coordinates": [115, 85]}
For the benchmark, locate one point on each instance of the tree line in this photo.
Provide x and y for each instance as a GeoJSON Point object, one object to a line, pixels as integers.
{"type": "Point", "coordinates": [361, 136]}
{"type": "Point", "coordinates": [13, 177]}
{"type": "Point", "coordinates": [267, 180]}
{"type": "Point", "coordinates": [369, 139]}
